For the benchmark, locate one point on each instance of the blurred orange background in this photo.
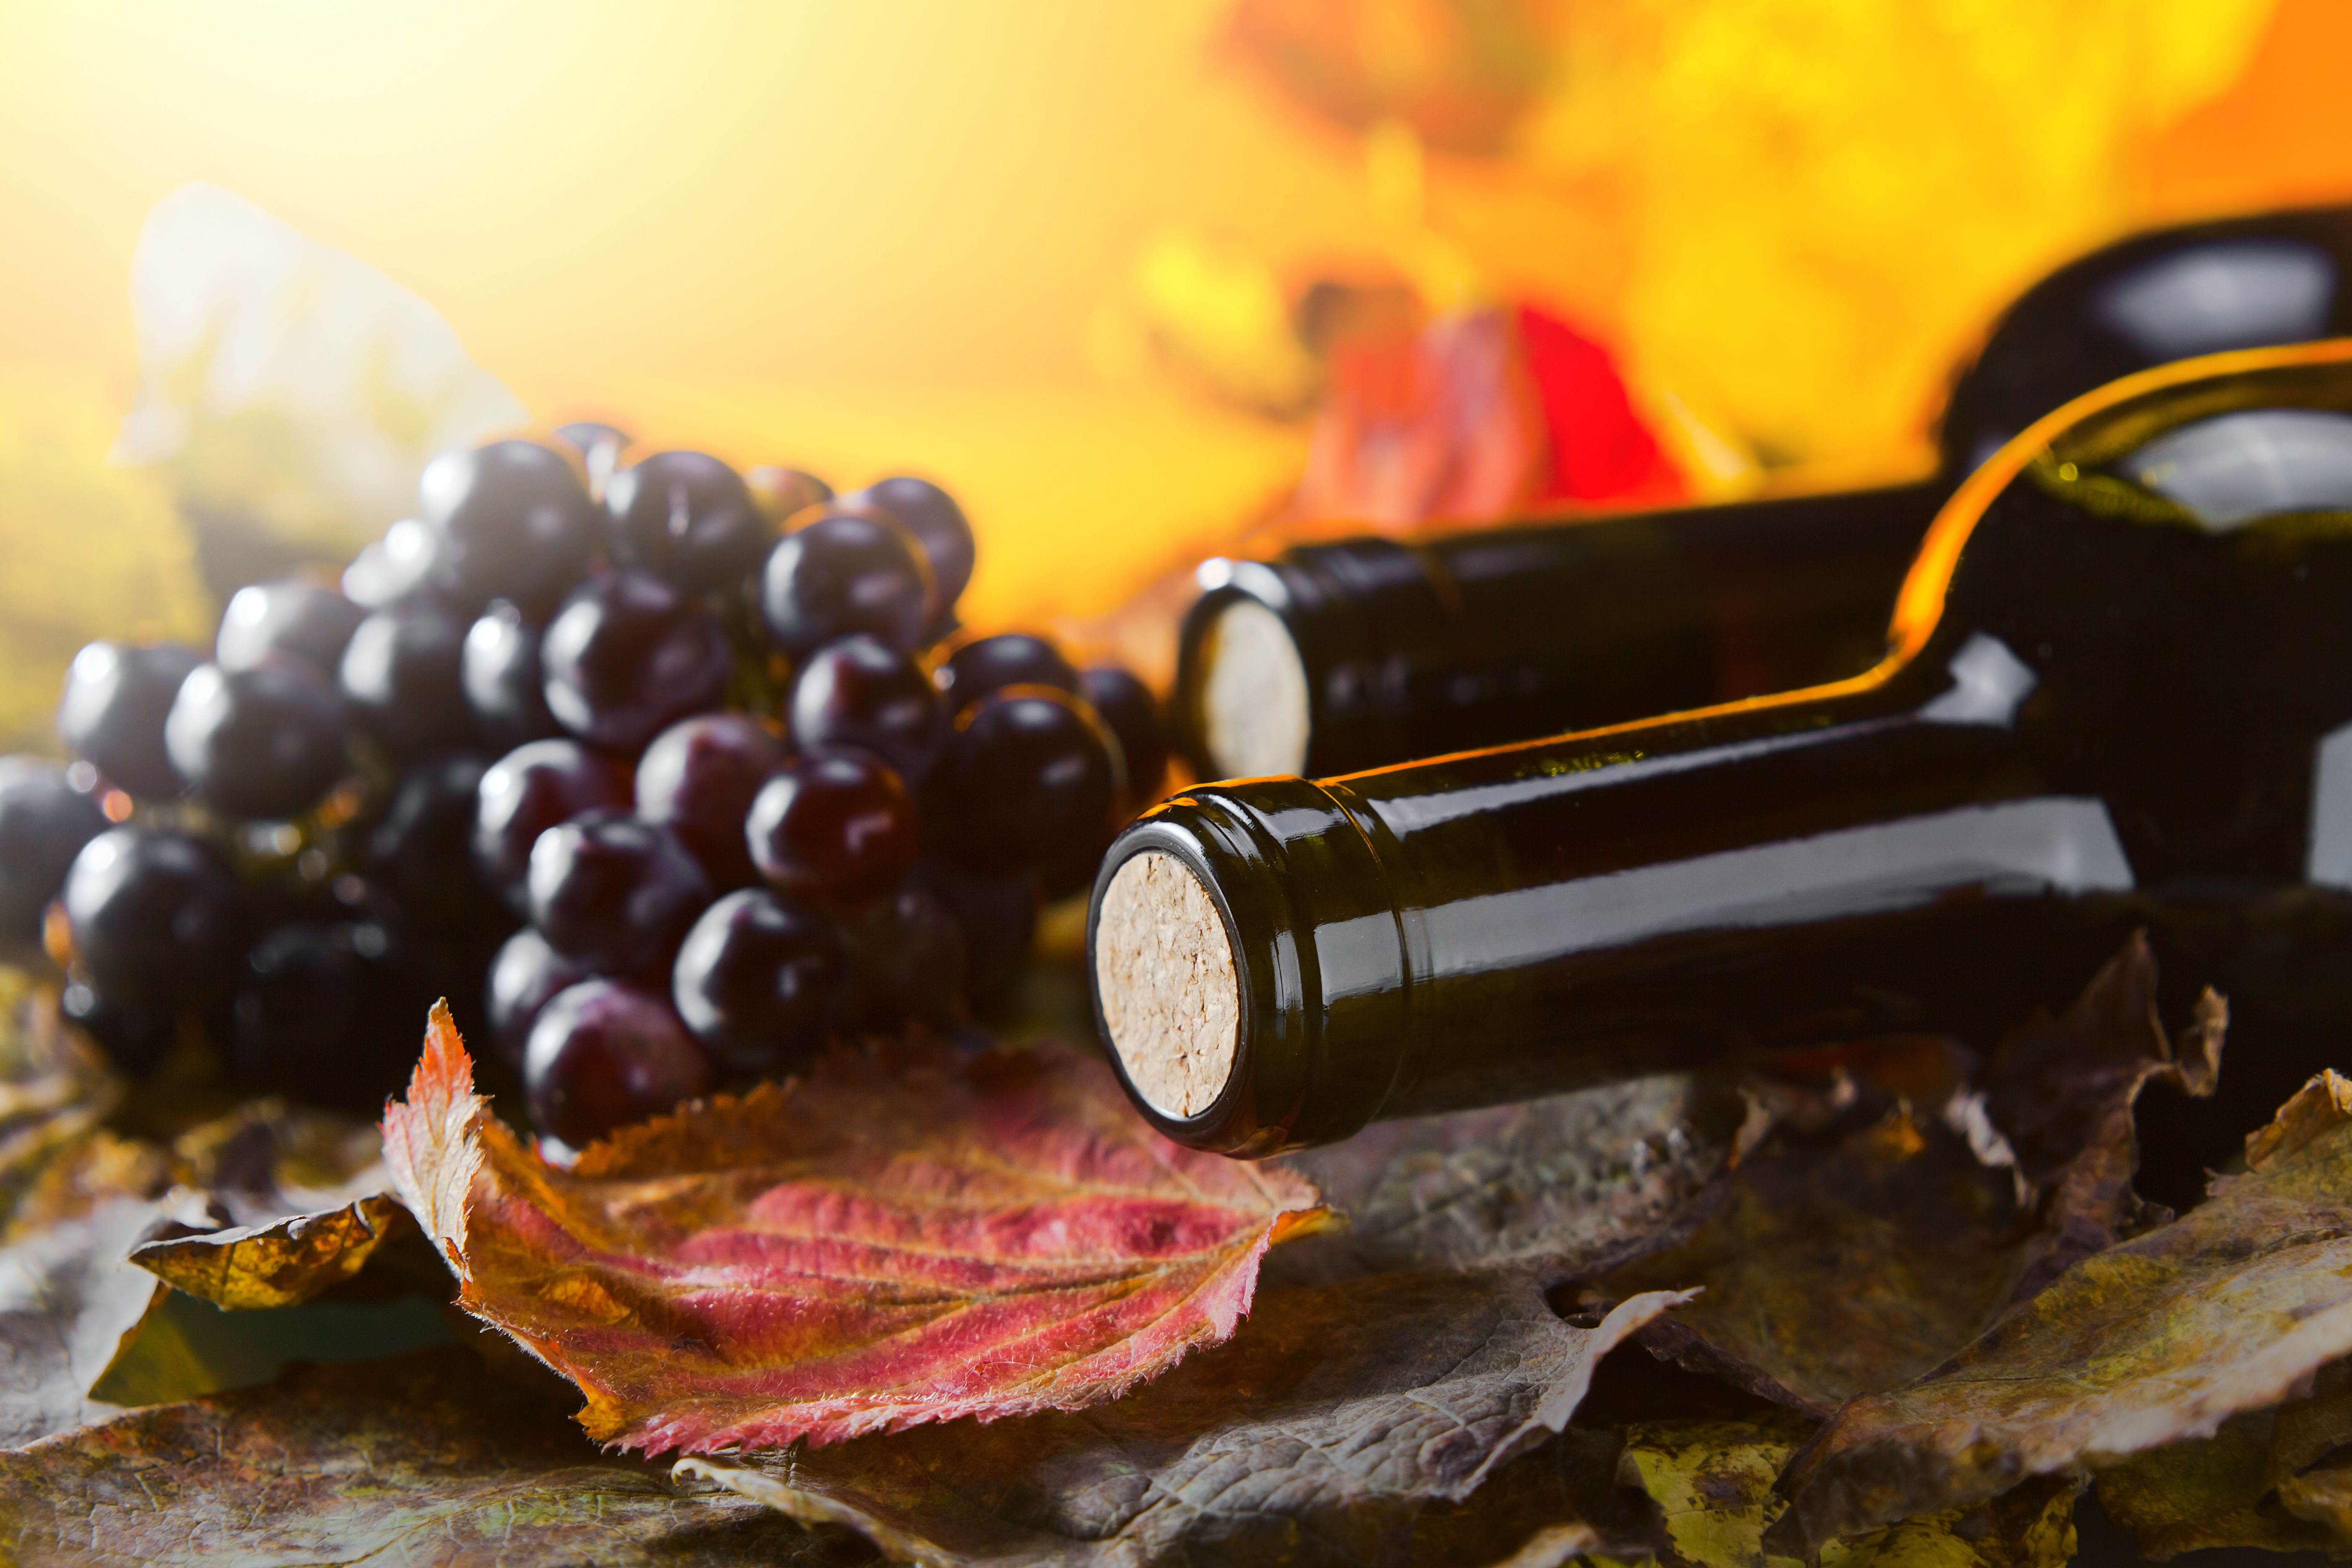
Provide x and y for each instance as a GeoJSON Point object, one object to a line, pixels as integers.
{"type": "Point", "coordinates": [860, 238]}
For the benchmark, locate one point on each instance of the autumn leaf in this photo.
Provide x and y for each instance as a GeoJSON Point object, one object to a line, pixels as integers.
{"type": "Point", "coordinates": [279, 1264]}
{"type": "Point", "coordinates": [1710, 1486]}
{"type": "Point", "coordinates": [1408, 1417]}
{"type": "Point", "coordinates": [2164, 1337]}
{"type": "Point", "coordinates": [2211, 1491]}
{"type": "Point", "coordinates": [1584, 1180]}
{"type": "Point", "coordinates": [68, 1297]}
{"type": "Point", "coordinates": [907, 1236]}
{"type": "Point", "coordinates": [415, 1459]}
{"type": "Point", "coordinates": [1854, 1257]}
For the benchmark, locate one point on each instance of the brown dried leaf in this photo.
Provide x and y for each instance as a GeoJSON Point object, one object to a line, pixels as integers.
{"type": "Point", "coordinates": [2231, 1309]}
{"type": "Point", "coordinates": [2059, 1093]}
{"type": "Point", "coordinates": [1346, 1424]}
{"type": "Point", "coordinates": [279, 1264]}
{"type": "Point", "coordinates": [905, 1235]}
{"type": "Point", "coordinates": [1854, 1259]}
{"type": "Point", "coordinates": [1709, 1486]}
{"type": "Point", "coordinates": [2212, 1491]}
{"type": "Point", "coordinates": [412, 1461]}
{"type": "Point", "coordinates": [1584, 1180]}
{"type": "Point", "coordinates": [1832, 1269]}
{"type": "Point", "coordinates": [68, 1297]}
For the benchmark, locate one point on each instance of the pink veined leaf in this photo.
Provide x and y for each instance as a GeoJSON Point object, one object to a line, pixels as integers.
{"type": "Point", "coordinates": [907, 1235]}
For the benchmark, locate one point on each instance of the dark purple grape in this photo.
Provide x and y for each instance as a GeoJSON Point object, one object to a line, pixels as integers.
{"type": "Point", "coordinates": [758, 980]}
{"type": "Point", "coordinates": [135, 1038]}
{"type": "Point", "coordinates": [116, 699]}
{"type": "Point", "coordinates": [524, 977]}
{"type": "Point", "coordinates": [1132, 715]}
{"type": "Point", "coordinates": [628, 655]}
{"type": "Point", "coordinates": [157, 919]}
{"type": "Point", "coordinates": [843, 576]}
{"type": "Point", "coordinates": [515, 518]}
{"type": "Point", "coordinates": [529, 790]}
{"type": "Point", "coordinates": [421, 848]}
{"type": "Point", "coordinates": [783, 493]}
{"type": "Point", "coordinates": [1030, 772]}
{"type": "Point", "coordinates": [499, 672]}
{"type": "Point", "coordinates": [939, 527]}
{"type": "Point", "coordinates": [409, 563]}
{"type": "Point", "coordinates": [44, 823]}
{"type": "Point", "coordinates": [269, 622]}
{"type": "Point", "coordinates": [860, 692]}
{"type": "Point", "coordinates": [835, 827]}
{"type": "Point", "coordinates": [697, 779]}
{"type": "Point", "coordinates": [991, 664]}
{"type": "Point", "coordinates": [400, 677]}
{"type": "Point", "coordinates": [907, 960]}
{"type": "Point", "coordinates": [264, 743]}
{"type": "Point", "coordinates": [998, 917]}
{"type": "Point", "coordinates": [687, 517]}
{"type": "Point", "coordinates": [603, 1054]}
{"type": "Point", "coordinates": [614, 892]}
{"type": "Point", "coordinates": [327, 1011]}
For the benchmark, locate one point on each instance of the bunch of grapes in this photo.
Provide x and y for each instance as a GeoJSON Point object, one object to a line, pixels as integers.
{"type": "Point", "coordinates": [682, 772]}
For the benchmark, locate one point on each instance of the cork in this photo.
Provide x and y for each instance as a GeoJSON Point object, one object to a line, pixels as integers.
{"type": "Point", "coordinates": [1164, 969]}
{"type": "Point", "coordinates": [1255, 714]}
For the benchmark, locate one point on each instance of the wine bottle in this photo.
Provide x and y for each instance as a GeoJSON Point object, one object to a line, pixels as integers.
{"type": "Point", "coordinates": [2121, 682]}
{"type": "Point", "coordinates": [1348, 655]}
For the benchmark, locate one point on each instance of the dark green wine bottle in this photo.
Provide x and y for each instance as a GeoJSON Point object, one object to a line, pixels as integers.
{"type": "Point", "coordinates": [2121, 683]}
{"type": "Point", "coordinates": [1353, 654]}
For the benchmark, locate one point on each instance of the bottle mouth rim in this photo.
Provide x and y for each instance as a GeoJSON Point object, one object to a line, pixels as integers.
{"type": "Point", "coordinates": [1275, 862]}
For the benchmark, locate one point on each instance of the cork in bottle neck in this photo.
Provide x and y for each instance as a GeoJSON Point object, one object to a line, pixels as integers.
{"type": "Point", "coordinates": [1169, 992]}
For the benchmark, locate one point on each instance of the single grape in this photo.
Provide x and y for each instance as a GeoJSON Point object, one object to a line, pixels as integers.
{"type": "Point", "coordinates": [266, 743]}
{"type": "Point", "coordinates": [421, 848]}
{"type": "Point", "coordinates": [687, 517]}
{"type": "Point", "coordinates": [782, 493]}
{"type": "Point", "coordinates": [327, 1011]}
{"type": "Point", "coordinates": [515, 518]}
{"type": "Point", "coordinates": [1131, 713]}
{"type": "Point", "coordinates": [993, 663]}
{"type": "Point", "coordinates": [835, 827]}
{"type": "Point", "coordinates": [614, 892]}
{"type": "Point", "coordinates": [628, 655]}
{"type": "Point", "coordinates": [135, 1038]}
{"type": "Point", "coordinates": [157, 919]}
{"type": "Point", "coordinates": [499, 672]}
{"type": "Point", "coordinates": [758, 980]}
{"type": "Point", "coordinates": [410, 563]}
{"type": "Point", "coordinates": [697, 779]}
{"type": "Point", "coordinates": [1030, 772]}
{"type": "Point", "coordinates": [524, 977]}
{"type": "Point", "coordinates": [861, 692]}
{"type": "Point", "coordinates": [529, 790]}
{"type": "Point", "coordinates": [998, 917]}
{"type": "Point", "coordinates": [604, 1054]}
{"type": "Point", "coordinates": [842, 575]}
{"type": "Point", "coordinates": [400, 677]}
{"type": "Point", "coordinates": [116, 699]}
{"type": "Point", "coordinates": [269, 622]}
{"type": "Point", "coordinates": [44, 823]}
{"type": "Point", "coordinates": [907, 960]}
{"type": "Point", "coordinates": [940, 527]}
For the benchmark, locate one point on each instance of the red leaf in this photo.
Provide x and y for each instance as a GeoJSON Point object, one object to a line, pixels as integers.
{"type": "Point", "coordinates": [906, 1236]}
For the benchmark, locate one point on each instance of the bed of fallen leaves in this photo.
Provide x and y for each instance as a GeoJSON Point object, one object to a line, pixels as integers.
{"type": "Point", "coordinates": [1894, 1303]}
